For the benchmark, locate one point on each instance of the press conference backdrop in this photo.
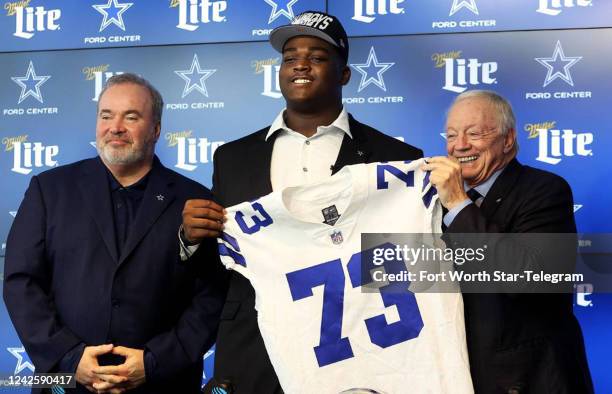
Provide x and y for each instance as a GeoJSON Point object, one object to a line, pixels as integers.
{"type": "Point", "coordinates": [219, 78]}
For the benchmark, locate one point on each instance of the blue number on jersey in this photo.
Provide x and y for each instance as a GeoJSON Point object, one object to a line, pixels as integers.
{"type": "Point", "coordinates": [381, 169]}
{"type": "Point", "coordinates": [258, 222]}
{"type": "Point", "coordinates": [410, 324]}
{"type": "Point", "coordinates": [332, 347]}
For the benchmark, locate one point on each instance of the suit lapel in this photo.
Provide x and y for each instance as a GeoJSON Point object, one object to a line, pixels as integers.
{"type": "Point", "coordinates": [353, 150]}
{"type": "Point", "coordinates": [259, 160]}
{"type": "Point", "coordinates": [157, 197]}
{"type": "Point", "coordinates": [93, 186]}
{"type": "Point", "coordinates": [500, 189]}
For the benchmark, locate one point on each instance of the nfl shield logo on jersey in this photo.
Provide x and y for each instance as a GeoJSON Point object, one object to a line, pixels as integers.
{"type": "Point", "coordinates": [336, 237]}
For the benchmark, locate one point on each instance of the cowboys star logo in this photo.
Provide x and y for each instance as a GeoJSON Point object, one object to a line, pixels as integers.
{"type": "Point", "coordinates": [189, 77]}
{"type": "Point", "coordinates": [30, 84]}
{"type": "Point", "coordinates": [557, 62]}
{"type": "Point", "coordinates": [459, 4]}
{"type": "Point", "coordinates": [19, 353]}
{"type": "Point", "coordinates": [286, 10]}
{"type": "Point", "coordinates": [117, 8]}
{"type": "Point", "coordinates": [372, 71]}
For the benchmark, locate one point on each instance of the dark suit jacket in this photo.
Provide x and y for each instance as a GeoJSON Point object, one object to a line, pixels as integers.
{"type": "Point", "coordinates": [65, 283]}
{"type": "Point", "coordinates": [529, 343]}
{"type": "Point", "coordinates": [242, 173]}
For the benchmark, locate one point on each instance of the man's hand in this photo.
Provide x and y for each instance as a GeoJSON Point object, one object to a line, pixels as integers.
{"type": "Point", "coordinates": [446, 177]}
{"type": "Point", "coordinates": [89, 362]}
{"type": "Point", "coordinates": [119, 378]}
{"type": "Point", "coordinates": [202, 219]}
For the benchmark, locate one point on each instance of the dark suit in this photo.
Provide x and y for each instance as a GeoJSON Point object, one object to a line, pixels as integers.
{"type": "Point", "coordinates": [529, 343]}
{"type": "Point", "coordinates": [66, 283]}
{"type": "Point", "coordinates": [242, 173]}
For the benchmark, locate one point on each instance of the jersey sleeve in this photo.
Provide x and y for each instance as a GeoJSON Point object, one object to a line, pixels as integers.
{"type": "Point", "coordinates": [429, 195]}
{"type": "Point", "coordinates": [232, 256]}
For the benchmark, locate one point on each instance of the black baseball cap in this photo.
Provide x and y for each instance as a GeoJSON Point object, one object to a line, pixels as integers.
{"type": "Point", "coordinates": [313, 23]}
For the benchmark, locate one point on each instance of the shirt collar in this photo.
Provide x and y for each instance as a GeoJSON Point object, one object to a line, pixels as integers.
{"type": "Point", "coordinates": [341, 123]}
{"type": "Point", "coordinates": [141, 185]}
{"type": "Point", "coordinates": [485, 186]}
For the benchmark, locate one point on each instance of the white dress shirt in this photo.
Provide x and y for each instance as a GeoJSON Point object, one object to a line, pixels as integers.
{"type": "Point", "coordinates": [297, 160]}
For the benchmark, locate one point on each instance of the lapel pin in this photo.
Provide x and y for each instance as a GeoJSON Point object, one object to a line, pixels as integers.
{"type": "Point", "coordinates": [160, 197]}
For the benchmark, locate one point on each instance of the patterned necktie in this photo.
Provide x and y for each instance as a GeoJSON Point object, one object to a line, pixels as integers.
{"type": "Point", "coordinates": [475, 196]}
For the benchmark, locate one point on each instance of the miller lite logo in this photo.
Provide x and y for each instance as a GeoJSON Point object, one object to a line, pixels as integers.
{"type": "Point", "coordinates": [367, 10]}
{"type": "Point", "coordinates": [439, 58]}
{"type": "Point", "coordinates": [555, 144]}
{"type": "Point", "coordinates": [28, 155]}
{"type": "Point", "coordinates": [459, 73]}
{"type": "Point", "coordinates": [194, 12]}
{"type": "Point", "coordinates": [100, 75]}
{"type": "Point", "coordinates": [270, 69]}
{"type": "Point", "coordinates": [172, 137]}
{"type": "Point", "coordinates": [534, 128]}
{"type": "Point", "coordinates": [29, 20]}
{"type": "Point", "coordinates": [11, 7]}
{"type": "Point", "coordinates": [194, 151]}
{"type": "Point", "coordinates": [553, 7]}
{"type": "Point", "coordinates": [9, 142]}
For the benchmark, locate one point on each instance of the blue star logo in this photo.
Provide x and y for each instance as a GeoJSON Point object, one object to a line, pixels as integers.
{"type": "Point", "coordinates": [30, 84]}
{"type": "Point", "coordinates": [117, 9]}
{"type": "Point", "coordinates": [370, 68]}
{"type": "Point", "coordinates": [19, 353]}
{"type": "Point", "coordinates": [285, 10]}
{"type": "Point", "coordinates": [562, 62]}
{"type": "Point", "coordinates": [459, 4]}
{"type": "Point", "coordinates": [188, 76]}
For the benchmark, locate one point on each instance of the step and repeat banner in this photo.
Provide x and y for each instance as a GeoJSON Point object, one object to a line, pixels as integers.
{"type": "Point", "coordinates": [219, 79]}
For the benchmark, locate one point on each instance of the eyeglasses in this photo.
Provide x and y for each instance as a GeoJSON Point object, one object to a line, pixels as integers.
{"type": "Point", "coordinates": [471, 135]}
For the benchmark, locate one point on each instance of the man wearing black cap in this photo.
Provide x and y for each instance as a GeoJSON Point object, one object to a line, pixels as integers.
{"type": "Point", "coordinates": [308, 141]}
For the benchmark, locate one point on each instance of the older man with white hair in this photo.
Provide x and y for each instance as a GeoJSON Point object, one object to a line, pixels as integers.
{"type": "Point", "coordinates": [517, 343]}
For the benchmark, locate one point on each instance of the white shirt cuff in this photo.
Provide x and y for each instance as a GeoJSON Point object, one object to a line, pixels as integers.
{"type": "Point", "coordinates": [186, 251]}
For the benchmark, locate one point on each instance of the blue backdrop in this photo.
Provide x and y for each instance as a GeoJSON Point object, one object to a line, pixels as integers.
{"type": "Point", "coordinates": [218, 75]}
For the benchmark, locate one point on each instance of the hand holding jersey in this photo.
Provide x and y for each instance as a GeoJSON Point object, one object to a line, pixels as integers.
{"type": "Point", "coordinates": [202, 219]}
{"type": "Point", "coordinates": [446, 176]}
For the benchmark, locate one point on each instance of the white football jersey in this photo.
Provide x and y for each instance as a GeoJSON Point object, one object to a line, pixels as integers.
{"type": "Point", "coordinates": [323, 332]}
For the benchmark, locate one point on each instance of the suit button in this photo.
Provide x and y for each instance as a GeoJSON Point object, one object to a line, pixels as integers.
{"type": "Point", "coordinates": [514, 390]}
{"type": "Point", "coordinates": [115, 303]}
